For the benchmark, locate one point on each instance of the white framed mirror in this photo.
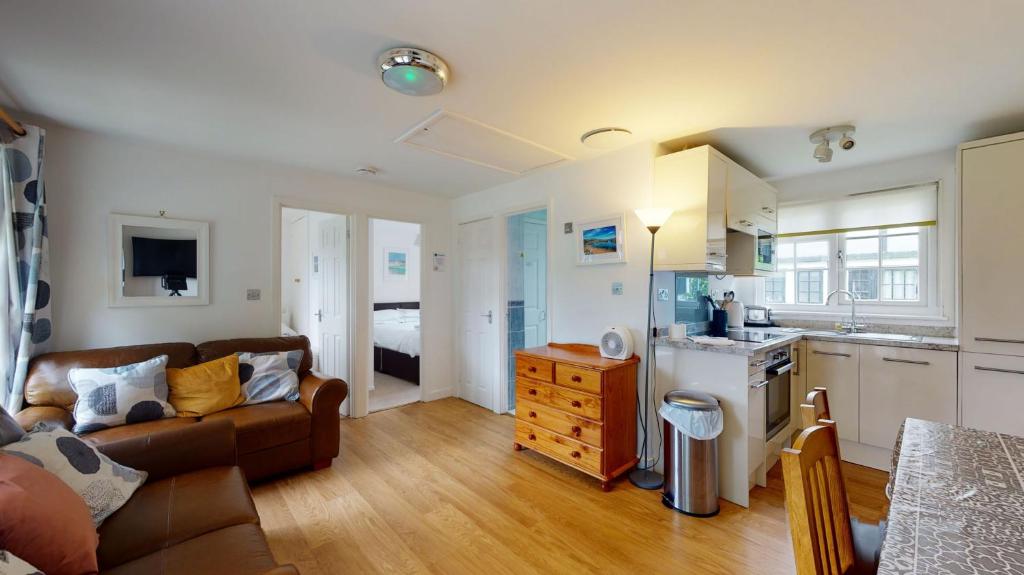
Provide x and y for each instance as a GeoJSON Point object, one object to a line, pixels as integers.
{"type": "Point", "coordinates": [158, 262]}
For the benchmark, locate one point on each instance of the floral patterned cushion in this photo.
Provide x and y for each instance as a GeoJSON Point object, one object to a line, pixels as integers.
{"type": "Point", "coordinates": [270, 376]}
{"type": "Point", "coordinates": [112, 396]}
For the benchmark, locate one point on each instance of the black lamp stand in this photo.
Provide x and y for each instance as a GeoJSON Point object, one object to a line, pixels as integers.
{"type": "Point", "coordinates": [643, 476]}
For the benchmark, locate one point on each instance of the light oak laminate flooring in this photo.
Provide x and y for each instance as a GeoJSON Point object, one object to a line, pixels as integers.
{"type": "Point", "coordinates": [436, 488]}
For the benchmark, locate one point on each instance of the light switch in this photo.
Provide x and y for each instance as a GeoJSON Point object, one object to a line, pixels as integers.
{"type": "Point", "coordinates": [616, 288]}
{"type": "Point", "coordinates": [252, 294]}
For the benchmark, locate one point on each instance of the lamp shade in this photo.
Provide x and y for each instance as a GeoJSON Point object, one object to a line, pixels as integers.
{"type": "Point", "coordinates": [654, 217]}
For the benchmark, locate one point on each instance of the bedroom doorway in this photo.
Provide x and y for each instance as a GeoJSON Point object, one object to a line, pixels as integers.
{"type": "Point", "coordinates": [315, 286]}
{"type": "Point", "coordinates": [395, 252]}
{"type": "Point", "coordinates": [527, 288]}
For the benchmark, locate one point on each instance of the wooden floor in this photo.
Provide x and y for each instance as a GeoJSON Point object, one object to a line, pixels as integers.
{"type": "Point", "coordinates": [436, 488]}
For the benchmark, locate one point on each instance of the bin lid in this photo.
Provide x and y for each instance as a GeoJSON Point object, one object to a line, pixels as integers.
{"type": "Point", "coordinates": [691, 400]}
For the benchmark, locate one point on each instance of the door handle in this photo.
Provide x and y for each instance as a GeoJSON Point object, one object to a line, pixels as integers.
{"type": "Point", "coordinates": [833, 353]}
{"type": "Point", "coordinates": [319, 315]}
{"type": "Point", "coordinates": [913, 361]}
{"type": "Point", "coordinates": [999, 370]}
{"type": "Point", "coordinates": [998, 340]}
{"type": "Point", "coordinates": [489, 315]}
{"type": "Point", "coordinates": [758, 385]}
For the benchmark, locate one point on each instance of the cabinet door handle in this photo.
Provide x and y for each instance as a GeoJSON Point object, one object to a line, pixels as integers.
{"type": "Point", "coordinates": [576, 455]}
{"type": "Point", "coordinates": [835, 353]}
{"type": "Point", "coordinates": [758, 385]}
{"type": "Point", "coordinates": [576, 379]}
{"type": "Point", "coordinates": [532, 437]}
{"type": "Point", "coordinates": [998, 340]}
{"type": "Point", "coordinates": [796, 364]}
{"type": "Point", "coordinates": [533, 414]}
{"type": "Point", "coordinates": [999, 370]}
{"type": "Point", "coordinates": [912, 361]}
{"type": "Point", "coordinates": [761, 363]}
{"type": "Point", "coordinates": [576, 403]}
{"type": "Point", "coordinates": [577, 430]}
{"type": "Point", "coordinates": [532, 392]}
{"type": "Point", "coordinates": [531, 369]}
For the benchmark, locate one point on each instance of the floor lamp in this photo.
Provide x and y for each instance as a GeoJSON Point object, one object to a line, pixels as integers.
{"type": "Point", "coordinates": [644, 476]}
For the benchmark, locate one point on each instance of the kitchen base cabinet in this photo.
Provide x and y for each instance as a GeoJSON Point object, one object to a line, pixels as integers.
{"type": "Point", "coordinates": [835, 366]}
{"type": "Point", "coordinates": [992, 392]}
{"type": "Point", "coordinates": [897, 383]}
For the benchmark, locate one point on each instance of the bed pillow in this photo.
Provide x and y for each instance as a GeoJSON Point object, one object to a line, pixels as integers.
{"type": "Point", "coordinates": [205, 388]}
{"type": "Point", "coordinates": [11, 564]}
{"type": "Point", "coordinates": [112, 396]}
{"type": "Point", "coordinates": [10, 431]}
{"type": "Point", "coordinates": [269, 376]}
{"type": "Point", "coordinates": [43, 521]}
{"type": "Point", "coordinates": [104, 484]}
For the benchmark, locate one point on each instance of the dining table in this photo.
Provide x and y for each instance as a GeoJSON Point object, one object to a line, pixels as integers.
{"type": "Point", "coordinates": [957, 502]}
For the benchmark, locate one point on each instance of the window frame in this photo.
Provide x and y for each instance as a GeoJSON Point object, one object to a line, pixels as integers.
{"type": "Point", "coordinates": [927, 305]}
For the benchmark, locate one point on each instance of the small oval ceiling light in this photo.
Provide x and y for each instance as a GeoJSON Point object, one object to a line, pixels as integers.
{"type": "Point", "coordinates": [606, 138]}
{"type": "Point", "coordinates": [413, 72]}
{"type": "Point", "coordinates": [367, 171]}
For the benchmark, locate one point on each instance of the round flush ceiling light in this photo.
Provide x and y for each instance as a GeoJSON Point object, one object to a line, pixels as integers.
{"type": "Point", "coordinates": [413, 72]}
{"type": "Point", "coordinates": [606, 138]}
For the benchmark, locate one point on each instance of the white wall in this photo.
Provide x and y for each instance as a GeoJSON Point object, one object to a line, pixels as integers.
{"type": "Point", "coordinates": [88, 176]}
{"type": "Point", "coordinates": [389, 234]}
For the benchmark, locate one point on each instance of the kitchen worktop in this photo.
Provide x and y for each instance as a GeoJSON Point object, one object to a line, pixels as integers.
{"type": "Point", "coordinates": [792, 335]}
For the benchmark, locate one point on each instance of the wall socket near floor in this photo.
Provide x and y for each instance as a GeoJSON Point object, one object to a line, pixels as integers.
{"type": "Point", "coordinates": [253, 294]}
{"type": "Point", "coordinates": [616, 288]}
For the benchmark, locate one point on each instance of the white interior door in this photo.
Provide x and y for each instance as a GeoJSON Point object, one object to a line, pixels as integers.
{"type": "Point", "coordinates": [330, 279]}
{"type": "Point", "coordinates": [535, 283]}
{"type": "Point", "coordinates": [478, 327]}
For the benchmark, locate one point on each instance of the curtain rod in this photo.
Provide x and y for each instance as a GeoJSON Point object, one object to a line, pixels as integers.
{"type": "Point", "coordinates": [13, 124]}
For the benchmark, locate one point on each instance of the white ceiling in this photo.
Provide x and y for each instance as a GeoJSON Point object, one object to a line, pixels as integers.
{"type": "Point", "coordinates": [295, 82]}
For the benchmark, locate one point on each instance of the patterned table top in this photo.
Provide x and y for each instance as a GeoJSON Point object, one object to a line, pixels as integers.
{"type": "Point", "coordinates": [957, 502]}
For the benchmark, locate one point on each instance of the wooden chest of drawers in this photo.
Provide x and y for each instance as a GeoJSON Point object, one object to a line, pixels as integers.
{"type": "Point", "coordinates": [577, 408]}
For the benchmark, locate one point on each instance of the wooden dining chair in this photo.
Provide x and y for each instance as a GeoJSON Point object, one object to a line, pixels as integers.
{"type": "Point", "coordinates": [815, 407]}
{"type": "Point", "coordinates": [825, 539]}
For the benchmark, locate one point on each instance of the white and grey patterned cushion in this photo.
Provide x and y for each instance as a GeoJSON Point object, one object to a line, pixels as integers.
{"type": "Point", "coordinates": [104, 484]}
{"type": "Point", "coordinates": [11, 564]}
{"type": "Point", "coordinates": [269, 376]}
{"type": "Point", "coordinates": [112, 396]}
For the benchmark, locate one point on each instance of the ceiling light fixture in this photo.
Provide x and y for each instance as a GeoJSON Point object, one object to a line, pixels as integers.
{"type": "Point", "coordinates": [606, 138]}
{"type": "Point", "coordinates": [367, 171]}
{"type": "Point", "coordinates": [825, 136]}
{"type": "Point", "coordinates": [413, 72]}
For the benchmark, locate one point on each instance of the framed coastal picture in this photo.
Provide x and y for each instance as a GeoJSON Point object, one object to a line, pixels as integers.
{"type": "Point", "coordinates": [396, 263]}
{"type": "Point", "coordinates": [601, 241]}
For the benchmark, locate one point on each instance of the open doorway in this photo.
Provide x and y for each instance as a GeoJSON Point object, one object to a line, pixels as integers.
{"type": "Point", "coordinates": [315, 286]}
{"type": "Point", "coordinates": [395, 252]}
{"type": "Point", "coordinates": [526, 292]}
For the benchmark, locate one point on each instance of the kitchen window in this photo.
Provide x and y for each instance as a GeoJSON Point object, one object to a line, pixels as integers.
{"type": "Point", "coordinates": [885, 267]}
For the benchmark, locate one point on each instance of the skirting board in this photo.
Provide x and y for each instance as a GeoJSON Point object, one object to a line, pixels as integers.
{"type": "Point", "coordinates": [866, 455]}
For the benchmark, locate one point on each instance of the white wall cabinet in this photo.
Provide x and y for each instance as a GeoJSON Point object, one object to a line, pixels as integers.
{"type": "Point", "coordinates": [693, 183]}
{"type": "Point", "coordinates": [836, 367]}
{"type": "Point", "coordinates": [897, 383]}
{"type": "Point", "coordinates": [992, 392]}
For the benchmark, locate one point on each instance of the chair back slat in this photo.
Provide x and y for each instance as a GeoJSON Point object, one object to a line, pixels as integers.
{"type": "Point", "coordinates": [819, 517]}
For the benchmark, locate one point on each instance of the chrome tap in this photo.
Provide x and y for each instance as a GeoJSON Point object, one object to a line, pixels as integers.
{"type": "Point", "coordinates": [852, 327]}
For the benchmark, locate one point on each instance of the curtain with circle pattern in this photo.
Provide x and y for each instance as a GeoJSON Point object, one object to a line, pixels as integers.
{"type": "Point", "coordinates": [24, 259]}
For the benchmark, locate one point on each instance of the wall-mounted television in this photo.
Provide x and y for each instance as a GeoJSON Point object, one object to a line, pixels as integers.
{"type": "Point", "coordinates": [155, 257]}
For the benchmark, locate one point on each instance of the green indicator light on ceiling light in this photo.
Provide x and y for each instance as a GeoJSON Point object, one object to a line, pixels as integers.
{"type": "Point", "coordinates": [410, 75]}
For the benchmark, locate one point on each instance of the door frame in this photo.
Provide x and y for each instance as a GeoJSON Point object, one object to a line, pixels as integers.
{"type": "Point", "coordinates": [503, 320]}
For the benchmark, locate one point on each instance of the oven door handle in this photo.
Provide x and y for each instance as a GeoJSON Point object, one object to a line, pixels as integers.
{"type": "Point", "coordinates": [784, 368]}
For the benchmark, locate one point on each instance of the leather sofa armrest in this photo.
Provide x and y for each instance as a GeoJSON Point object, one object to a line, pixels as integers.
{"type": "Point", "coordinates": [322, 396]}
{"type": "Point", "coordinates": [27, 418]}
{"type": "Point", "coordinates": [172, 452]}
{"type": "Point", "coordinates": [282, 570]}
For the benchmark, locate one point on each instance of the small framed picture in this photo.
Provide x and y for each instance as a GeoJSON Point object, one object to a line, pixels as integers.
{"type": "Point", "coordinates": [601, 241]}
{"type": "Point", "coordinates": [396, 263]}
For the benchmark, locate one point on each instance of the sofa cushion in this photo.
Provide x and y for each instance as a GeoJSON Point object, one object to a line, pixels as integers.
{"type": "Point", "coordinates": [239, 550]}
{"type": "Point", "coordinates": [104, 484]}
{"type": "Point", "coordinates": [11, 564]}
{"type": "Point", "coordinates": [219, 348]}
{"type": "Point", "coordinates": [269, 376]}
{"type": "Point", "coordinates": [125, 431]}
{"type": "Point", "coordinates": [173, 510]}
{"type": "Point", "coordinates": [43, 521]}
{"type": "Point", "coordinates": [267, 424]}
{"type": "Point", "coordinates": [10, 431]}
{"type": "Point", "coordinates": [206, 388]}
{"type": "Point", "coordinates": [112, 396]}
{"type": "Point", "coordinates": [47, 380]}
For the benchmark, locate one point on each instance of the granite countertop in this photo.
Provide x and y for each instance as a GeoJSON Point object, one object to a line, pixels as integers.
{"type": "Point", "coordinates": [792, 335]}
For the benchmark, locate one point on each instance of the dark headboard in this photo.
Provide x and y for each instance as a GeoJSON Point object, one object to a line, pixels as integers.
{"type": "Point", "coordinates": [396, 305]}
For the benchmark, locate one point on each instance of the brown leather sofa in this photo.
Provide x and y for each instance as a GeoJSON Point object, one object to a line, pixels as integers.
{"type": "Point", "coordinates": [194, 514]}
{"type": "Point", "coordinates": [272, 437]}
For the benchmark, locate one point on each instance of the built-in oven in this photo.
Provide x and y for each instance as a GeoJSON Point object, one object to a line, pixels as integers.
{"type": "Point", "coordinates": [777, 404]}
{"type": "Point", "coordinates": [765, 257]}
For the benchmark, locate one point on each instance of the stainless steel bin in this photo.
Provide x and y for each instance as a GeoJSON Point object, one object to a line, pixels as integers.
{"type": "Point", "coordinates": [691, 465]}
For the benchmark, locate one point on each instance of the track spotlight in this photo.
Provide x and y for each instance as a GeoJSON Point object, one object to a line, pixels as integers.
{"type": "Point", "coordinates": [824, 137]}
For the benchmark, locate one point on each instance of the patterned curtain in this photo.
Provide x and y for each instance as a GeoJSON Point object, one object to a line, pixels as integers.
{"type": "Point", "coordinates": [24, 263]}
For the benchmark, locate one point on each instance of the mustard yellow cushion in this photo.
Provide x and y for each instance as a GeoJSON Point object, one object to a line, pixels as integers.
{"type": "Point", "coordinates": [205, 388]}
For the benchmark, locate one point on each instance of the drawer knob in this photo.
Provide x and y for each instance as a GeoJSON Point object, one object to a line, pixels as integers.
{"type": "Point", "coordinates": [577, 379]}
{"type": "Point", "coordinates": [532, 437]}
{"type": "Point", "coordinates": [576, 403]}
{"type": "Point", "coordinates": [531, 369]}
{"type": "Point", "coordinates": [533, 414]}
{"type": "Point", "coordinates": [577, 430]}
{"type": "Point", "coordinates": [576, 455]}
{"type": "Point", "coordinates": [532, 392]}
